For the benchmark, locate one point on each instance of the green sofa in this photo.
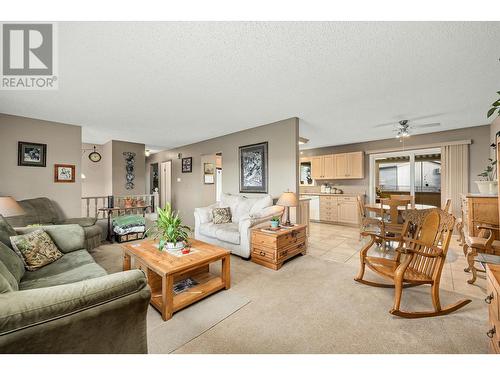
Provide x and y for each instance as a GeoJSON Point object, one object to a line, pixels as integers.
{"type": "Point", "coordinates": [42, 211]}
{"type": "Point", "coordinates": [70, 305]}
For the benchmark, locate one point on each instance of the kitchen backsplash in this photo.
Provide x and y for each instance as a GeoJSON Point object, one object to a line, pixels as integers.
{"type": "Point", "coordinates": [347, 189]}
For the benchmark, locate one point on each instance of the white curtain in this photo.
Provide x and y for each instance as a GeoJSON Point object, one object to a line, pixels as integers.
{"type": "Point", "coordinates": [454, 174]}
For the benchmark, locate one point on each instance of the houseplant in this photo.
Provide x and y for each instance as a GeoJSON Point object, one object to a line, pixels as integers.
{"type": "Point", "coordinates": [169, 229]}
{"type": "Point", "coordinates": [275, 222]}
{"type": "Point", "coordinates": [495, 106]}
{"type": "Point", "coordinates": [488, 183]}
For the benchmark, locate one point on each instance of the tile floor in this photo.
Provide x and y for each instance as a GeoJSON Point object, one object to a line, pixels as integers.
{"type": "Point", "coordinates": [337, 243]}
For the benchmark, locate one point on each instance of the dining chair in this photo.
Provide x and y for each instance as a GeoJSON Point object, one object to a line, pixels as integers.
{"type": "Point", "coordinates": [389, 225]}
{"type": "Point", "coordinates": [365, 220]}
{"type": "Point", "coordinates": [447, 205]}
{"type": "Point", "coordinates": [404, 197]}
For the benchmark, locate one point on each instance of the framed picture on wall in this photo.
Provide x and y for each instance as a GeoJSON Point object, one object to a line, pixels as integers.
{"type": "Point", "coordinates": [208, 179]}
{"type": "Point", "coordinates": [208, 173]}
{"type": "Point", "coordinates": [31, 154]}
{"type": "Point", "coordinates": [187, 165]}
{"type": "Point", "coordinates": [253, 168]}
{"type": "Point", "coordinates": [64, 173]}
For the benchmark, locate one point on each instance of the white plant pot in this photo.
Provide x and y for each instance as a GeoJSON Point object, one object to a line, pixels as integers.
{"type": "Point", "coordinates": [487, 187]}
{"type": "Point", "coordinates": [171, 246]}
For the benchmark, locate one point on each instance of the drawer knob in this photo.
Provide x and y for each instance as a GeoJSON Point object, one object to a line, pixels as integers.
{"type": "Point", "coordinates": [262, 253]}
{"type": "Point", "coordinates": [488, 299]}
{"type": "Point", "coordinates": [491, 332]}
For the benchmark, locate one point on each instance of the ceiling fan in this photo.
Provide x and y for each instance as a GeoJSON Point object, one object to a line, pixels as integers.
{"type": "Point", "coordinates": [403, 127]}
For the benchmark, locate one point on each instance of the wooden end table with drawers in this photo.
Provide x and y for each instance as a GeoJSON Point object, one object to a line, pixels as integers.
{"type": "Point", "coordinates": [272, 249]}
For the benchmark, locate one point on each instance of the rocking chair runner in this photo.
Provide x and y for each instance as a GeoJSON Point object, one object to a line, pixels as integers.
{"type": "Point", "coordinates": [419, 260]}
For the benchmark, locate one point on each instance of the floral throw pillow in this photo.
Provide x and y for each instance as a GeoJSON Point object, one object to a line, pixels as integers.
{"type": "Point", "coordinates": [221, 215]}
{"type": "Point", "coordinates": [36, 249]}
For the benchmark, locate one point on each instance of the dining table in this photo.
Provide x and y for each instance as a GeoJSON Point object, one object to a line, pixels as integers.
{"type": "Point", "coordinates": [375, 207]}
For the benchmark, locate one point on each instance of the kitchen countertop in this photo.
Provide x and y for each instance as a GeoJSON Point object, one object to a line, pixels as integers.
{"type": "Point", "coordinates": [337, 195]}
{"type": "Point", "coordinates": [304, 199]}
{"type": "Point", "coordinates": [480, 195]}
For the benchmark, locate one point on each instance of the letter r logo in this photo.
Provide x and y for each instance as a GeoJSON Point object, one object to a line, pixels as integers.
{"type": "Point", "coordinates": [27, 49]}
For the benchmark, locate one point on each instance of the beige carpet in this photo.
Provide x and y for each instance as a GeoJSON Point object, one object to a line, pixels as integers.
{"type": "Point", "coordinates": [314, 306]}
{"type": "Point", "coordinates": [166, 336]}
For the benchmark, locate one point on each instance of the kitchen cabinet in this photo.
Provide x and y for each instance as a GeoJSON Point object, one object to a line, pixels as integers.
{"type": "Point", "coordinates": [322, 167]}
{"type": "Point", "coordinates": [349, 165]}
{"type": "Point", "coordinates": [338, 209]}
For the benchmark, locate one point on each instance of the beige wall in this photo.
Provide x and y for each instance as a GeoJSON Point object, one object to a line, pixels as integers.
{"type": "Point", "coordinates": [118, 168]}
{"type": "Point", "coordinates": [478, 154]}
{"type": "Point", "coordinates": [494, 129]}
{"type": "Point", "coordinates": [188, 193]}
{"type": "Point", "coordinates": [63, 147]}
{"type": "Point", "coordinates": [107, 177]}
{"type": "Point", "coordinates": [95, 173]}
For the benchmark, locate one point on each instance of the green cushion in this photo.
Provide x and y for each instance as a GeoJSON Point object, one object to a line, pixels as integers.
{"type": "Point", "coordinates": [68, 238]}
{"type": "Point", "coordinates": [6, 231]}
{"type": "Point", "coordinates": [37, 211]}
{"type": "Point", "coordinates": [8, 282]}
{"type": "Point", "coordinates": [72, 267]}
{"type": "Point", "coordinates": [12, 261]}
{"type": "Point", "coordinates": [82, 221]}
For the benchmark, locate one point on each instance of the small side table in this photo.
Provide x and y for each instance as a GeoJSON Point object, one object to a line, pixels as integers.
{"type": "Point", "coordinates": [111, 210]}
{"type": "Point", "coordinates": [272, 249]}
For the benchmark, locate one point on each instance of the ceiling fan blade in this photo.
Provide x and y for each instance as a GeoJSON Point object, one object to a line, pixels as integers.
{"type": "Point", "coordinates": [428, 125]}
{"type": "Point", "coordinates": [413, 119]}
{"type": "Point", "coordinates": [386, 124]}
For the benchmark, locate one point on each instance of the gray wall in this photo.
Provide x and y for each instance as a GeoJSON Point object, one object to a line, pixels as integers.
{"type": "Point", "coordinates": [478, 152]}
{"type": "Point", "coordinates": [64, 143]}
{"type": "Point", "coordinates": [119, 171]}
{"type": "Point", "coordinates": [107, 177]}
{"type": "Point", "coordinates": [189, 193]}
{"type": "Point", "coordinates": [95, 173]}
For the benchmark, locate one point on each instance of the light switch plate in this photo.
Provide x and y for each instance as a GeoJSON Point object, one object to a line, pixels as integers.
{"type": "Point", "coordinates": [178, 179]}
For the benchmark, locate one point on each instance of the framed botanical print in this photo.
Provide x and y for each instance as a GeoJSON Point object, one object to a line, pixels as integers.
{"type": "Point", "coordinates": [187, 165]}
{"type": "Point", "coordinates": [253, 168]}
{"type": "Point", "coordinates": [31, 154]}
{"type": "Point", "coordinates": [64, 173]}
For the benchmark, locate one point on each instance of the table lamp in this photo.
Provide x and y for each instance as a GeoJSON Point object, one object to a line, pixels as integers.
{"type": "Point", "coordinates": [9, 207]}
{"type": "Point", "coordinates": [287, 200]}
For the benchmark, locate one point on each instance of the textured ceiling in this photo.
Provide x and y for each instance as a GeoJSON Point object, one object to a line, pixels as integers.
{"type": "Point", "coordinates": [169, 84]}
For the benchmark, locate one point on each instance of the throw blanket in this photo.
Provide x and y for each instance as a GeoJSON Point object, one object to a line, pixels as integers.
{"type": "Point", "coordinates": [129, 224]}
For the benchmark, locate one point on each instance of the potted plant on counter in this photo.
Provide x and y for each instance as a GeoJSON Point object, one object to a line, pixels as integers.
{"type": "Point", "coordinates": [169, 229]}
{"type": "Point", "coordinates": [488, 184]}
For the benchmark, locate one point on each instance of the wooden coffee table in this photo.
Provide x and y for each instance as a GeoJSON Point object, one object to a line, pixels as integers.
{"type": "Point", "coordinates": [163, 270]}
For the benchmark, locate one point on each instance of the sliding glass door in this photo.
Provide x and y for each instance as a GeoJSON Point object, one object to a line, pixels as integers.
{"type": "Point", "coordinates": [413, 172]}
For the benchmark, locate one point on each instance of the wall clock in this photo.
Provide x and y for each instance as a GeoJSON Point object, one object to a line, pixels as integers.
{"type": "Point", "coordinates": [95, 156]}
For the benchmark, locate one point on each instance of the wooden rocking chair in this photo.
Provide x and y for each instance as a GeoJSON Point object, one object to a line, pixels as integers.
{"type": "Point", "coordinates": [419, 259]}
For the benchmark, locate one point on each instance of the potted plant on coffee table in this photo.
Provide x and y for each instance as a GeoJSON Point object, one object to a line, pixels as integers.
{"type": "Point", "coordinates": [169, 229]}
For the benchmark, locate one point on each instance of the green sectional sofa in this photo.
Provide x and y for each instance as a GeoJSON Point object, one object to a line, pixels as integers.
{"type": "Point", "coordinates": [42, 211]}
{"type": "Point", "coordinates": [71, 305]}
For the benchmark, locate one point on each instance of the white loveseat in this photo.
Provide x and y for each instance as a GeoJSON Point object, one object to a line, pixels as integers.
{"type": "Point", "coordinates": [246, 213]}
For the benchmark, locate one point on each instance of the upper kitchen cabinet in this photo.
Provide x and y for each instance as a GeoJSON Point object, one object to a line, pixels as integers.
{"type": "Point", "coordinates": [322, 167]}
{"type": "Point", "coordinates": [349, 165]}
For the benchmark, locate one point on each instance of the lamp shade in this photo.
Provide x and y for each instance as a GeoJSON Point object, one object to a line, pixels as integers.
{"type": "Point", "coordinates": [288, 199]}
{"type": "Point", "coordinates": [9, 207]}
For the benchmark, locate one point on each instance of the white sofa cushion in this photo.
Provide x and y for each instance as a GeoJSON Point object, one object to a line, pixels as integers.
{"type": "Point", "coordinates": [228, 232]}
{"type": "Point", "coordinates": [261, 203]}
{"type": "Point", "coordinates": [208, 229]}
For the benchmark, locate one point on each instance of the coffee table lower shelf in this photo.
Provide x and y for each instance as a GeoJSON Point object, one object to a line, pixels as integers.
{"type": "Point", "coordinates": [208, 284]}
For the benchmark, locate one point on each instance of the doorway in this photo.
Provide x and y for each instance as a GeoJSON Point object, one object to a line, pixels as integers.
{"type": "Point", "coordinates": [413, 172]}
{"type": "Point", "coordinates": [165, 183]}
